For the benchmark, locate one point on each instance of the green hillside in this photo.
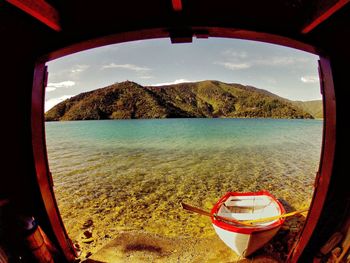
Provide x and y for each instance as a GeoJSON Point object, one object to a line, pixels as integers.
{"type": "Point", "coordinates": [206, 99]}
{"type": "Point", "coordinates": [314, 107]}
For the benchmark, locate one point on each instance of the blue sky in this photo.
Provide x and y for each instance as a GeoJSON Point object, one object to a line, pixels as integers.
{"type": "Point", "coordinates": [287, 72]}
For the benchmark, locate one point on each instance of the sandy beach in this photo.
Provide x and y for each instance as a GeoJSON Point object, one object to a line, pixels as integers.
{"type": "Point", "coordinates": [142, 246]}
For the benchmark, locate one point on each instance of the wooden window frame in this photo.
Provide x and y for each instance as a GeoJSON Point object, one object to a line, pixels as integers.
{"type": "Point", "coordinates": [43, 174]}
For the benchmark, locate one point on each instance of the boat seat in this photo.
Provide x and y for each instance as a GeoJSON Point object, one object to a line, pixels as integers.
{"type": "Point", "coordinates": [245, 216]}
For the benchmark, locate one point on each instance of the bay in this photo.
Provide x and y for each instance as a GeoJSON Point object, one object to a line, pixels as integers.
{"type": "Point", "coordinates": [133, 174]}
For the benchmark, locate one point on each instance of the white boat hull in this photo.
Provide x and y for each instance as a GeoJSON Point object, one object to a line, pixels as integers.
{"type": "Point", "coordinates": [241, 207]}
{"type": "Point", "coordinates": [245, 244]}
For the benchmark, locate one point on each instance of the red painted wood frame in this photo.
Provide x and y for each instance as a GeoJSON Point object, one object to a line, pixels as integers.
{"type": "Point", "coordinates": [40, 10]}
{"type": "Point", "coordinates": [177, 5]}
{"type": "Point", "coordinates": [38, 128]}
{"type": "Point", "coordinates": [324, 15]}
{"type": "Point", "coordinates": [327, 157]}
{"type": "Point", "coordinates": [43, 174]}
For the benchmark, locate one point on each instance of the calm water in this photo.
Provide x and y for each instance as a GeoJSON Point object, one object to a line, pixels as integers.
{"type": "Point", "coordinates": [132, 174]}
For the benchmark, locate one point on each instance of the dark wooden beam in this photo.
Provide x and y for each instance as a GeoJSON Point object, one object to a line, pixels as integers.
{"type": "Point", "coordinates": [4, 202]}
{"type": "Point", "coordinates": [323, 12]}
{"type": "Point", "coordinates": [177, 5]}
{"type": "Point", "coordinates": [40, 10]}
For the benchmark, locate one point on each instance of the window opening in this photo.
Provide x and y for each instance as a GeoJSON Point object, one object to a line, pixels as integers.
{"type": "Point", "coordinates": [129, 176]}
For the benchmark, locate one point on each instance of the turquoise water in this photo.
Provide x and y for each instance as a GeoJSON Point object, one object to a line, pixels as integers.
{"type": "Point", "coordinates": [132, 174]}
{"type": "Point", "coordinates": [178, 135]}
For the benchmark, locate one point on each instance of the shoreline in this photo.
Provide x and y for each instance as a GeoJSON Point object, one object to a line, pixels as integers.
{"type": "Point", "coordinates": [191, 118]}
{"type": "Point", "coordinates": [143, 246]}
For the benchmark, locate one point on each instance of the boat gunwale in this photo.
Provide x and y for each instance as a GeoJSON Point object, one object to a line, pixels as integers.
{"type": "Point", "coordinates": [246, 230]}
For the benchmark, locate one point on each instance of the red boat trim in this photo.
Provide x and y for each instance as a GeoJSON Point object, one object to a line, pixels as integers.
{"type": "Point", "coordinates": [245, 230]}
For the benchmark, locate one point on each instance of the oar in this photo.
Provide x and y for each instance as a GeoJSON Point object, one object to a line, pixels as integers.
{"type": "Point", "coordinates": [206, 213]}
{"type": "Point", "coordinates": [244, 222]}
{"type": "Point", "coordinates": [259, 220]}
{"type": "Point", "coordinates": [195, 209]}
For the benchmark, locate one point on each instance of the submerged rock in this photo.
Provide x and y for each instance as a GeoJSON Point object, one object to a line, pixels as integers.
{"type": "Point", "coordinates": [88, 223]}
{"type": "Point", "coordinates": [88, 240]}
{"type": "Point", "coordinates": [87, 234]}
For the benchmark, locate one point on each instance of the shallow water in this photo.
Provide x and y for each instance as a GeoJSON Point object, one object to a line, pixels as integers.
{"type": "Point", "coordinates": [133, 174]}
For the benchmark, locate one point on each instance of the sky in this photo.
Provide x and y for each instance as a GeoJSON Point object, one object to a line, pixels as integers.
{"type": "Point", "coordinates": [287, 72]}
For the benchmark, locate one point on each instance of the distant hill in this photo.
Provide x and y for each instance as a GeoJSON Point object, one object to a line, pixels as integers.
{"type": "Point", "coordinates": [206, 99]}
{"type": "Point", "coordinates": [314, 107]}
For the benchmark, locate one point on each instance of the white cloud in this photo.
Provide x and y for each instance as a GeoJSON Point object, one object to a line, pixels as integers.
{"type": "Point", "coordinates": [72, 72]}
{"type": "Point", "coordinates": [234, 66]}
{"type": "Point", "coordinates": [126, 66]}
{"type": "Point", "coordinates": [177, 81]}
{"type": "Point", "coordinates": [49, 89]}
{"type": "Point", "coordinates": [62, 84]}
{"type": "Point", "coordinates": [146, 77]}
{"type": "Point", "coordinates": [241, 60]}
{"type": "Point", "coordinates": [52, 102]}
{"type": "Point", "coordinates": [279, 61]}
{"type": "Point", "coordinates": [75, 71]}
{"type": "Point", "coordinates": [310, 79]}
{"type": "Point", "coordinates": [79, 68]}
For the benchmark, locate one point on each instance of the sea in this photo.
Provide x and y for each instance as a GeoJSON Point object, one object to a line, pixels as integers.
{"type": "Point", "coordinates": [133, 174]}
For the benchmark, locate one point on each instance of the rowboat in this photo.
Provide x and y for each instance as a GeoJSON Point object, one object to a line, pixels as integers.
{"type": "Point", "coordinates": [235, 207]}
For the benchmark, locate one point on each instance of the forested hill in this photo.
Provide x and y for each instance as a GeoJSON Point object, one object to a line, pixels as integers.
{"type": "Point", "coordinates": [204, 99]}
{"type": "Point", "coordinates": [314, 107]}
